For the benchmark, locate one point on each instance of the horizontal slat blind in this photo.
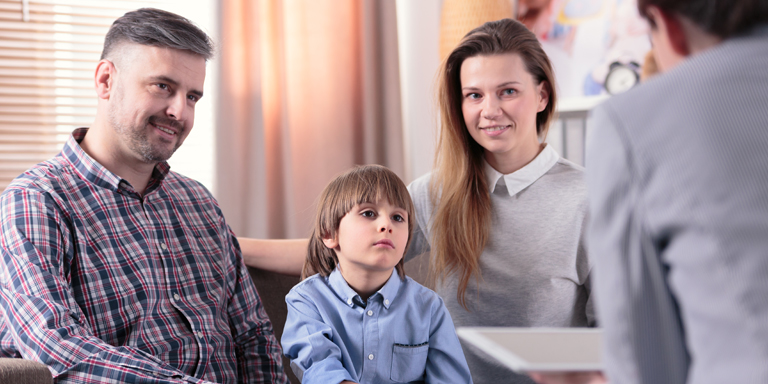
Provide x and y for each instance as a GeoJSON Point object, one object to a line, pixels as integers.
{"type": "Point", "coordinates": [46, 74]}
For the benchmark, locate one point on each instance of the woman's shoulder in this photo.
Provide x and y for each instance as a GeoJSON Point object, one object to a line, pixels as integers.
{"type": "Point", "coordinates": [563, 185]}
{"type": "Point", "coordinates": [419, 191]}
{"type": "Point", "coordinates": [567, 174]}
{"type": "Point", "coordinates": [568, 167]}
{"type": "Point", "coordinates": [420, 186]}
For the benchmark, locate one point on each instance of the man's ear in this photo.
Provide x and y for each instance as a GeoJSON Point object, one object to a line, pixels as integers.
{"type": "Point", "coordinates": [331, 242]}
{"type": "Point", "coordinates": [105, 78]}
{"type": "Point", "coordinates": [672, 27]}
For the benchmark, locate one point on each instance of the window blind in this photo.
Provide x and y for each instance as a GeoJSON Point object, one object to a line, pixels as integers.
{"type": "Point", "coordinates": [48, 55]}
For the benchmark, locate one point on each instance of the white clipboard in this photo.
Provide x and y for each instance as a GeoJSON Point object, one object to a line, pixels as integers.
{"type": "Point", "coordinates": [539, 349]}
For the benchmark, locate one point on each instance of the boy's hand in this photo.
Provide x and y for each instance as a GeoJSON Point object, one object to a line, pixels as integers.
{"type": "Point", "coordinates": [595, 377]}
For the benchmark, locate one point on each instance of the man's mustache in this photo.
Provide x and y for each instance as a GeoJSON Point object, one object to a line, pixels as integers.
{"type": "Point", "coordinates": [155, 120]}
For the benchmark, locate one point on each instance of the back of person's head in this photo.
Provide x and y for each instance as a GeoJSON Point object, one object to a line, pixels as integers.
{"type": "Point", "coordinates": [360, 185]}
{"type": "Point", "coordinates": [157, 28]}
{"type": "Point", "coordinates": [494, 38]}
{"type": "Point", "coordinates": [721, 18]}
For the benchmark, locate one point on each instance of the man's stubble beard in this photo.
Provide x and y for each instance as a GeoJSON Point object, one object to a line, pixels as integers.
{"type": "Point", "coordinates": [136, 137]}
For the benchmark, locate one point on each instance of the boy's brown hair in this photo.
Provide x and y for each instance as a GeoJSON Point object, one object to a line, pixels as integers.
{"type": "Point", "coordinates": [363, 184]}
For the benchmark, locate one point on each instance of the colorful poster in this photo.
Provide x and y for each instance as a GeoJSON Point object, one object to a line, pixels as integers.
{"type": "Point", "coordinates": [596, 46]}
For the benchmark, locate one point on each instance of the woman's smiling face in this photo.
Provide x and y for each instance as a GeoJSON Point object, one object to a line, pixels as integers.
{"type": "Point", "coordinates": [500, 100]}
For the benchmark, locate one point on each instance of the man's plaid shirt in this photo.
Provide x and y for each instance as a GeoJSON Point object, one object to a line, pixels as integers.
{"type": "Point", "coordinates": [104, 285]}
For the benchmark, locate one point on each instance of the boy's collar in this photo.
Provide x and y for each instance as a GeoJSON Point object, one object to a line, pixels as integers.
{"type": "Point", "coordinates": [350, 297]}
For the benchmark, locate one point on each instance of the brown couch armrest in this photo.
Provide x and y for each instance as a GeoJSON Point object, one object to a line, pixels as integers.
{"type": "Point", "coordinates": [272, 288]}
{"type": "Point", "coordinates": [21, 371]}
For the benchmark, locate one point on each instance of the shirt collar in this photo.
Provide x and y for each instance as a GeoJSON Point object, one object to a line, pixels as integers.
{"type": "Point", "coordinates": [523, 177]}
{"type": "Point", "coordinates": [350, 297]}
{"type": "Point", "coordinates": [389, 291]}
{"type": "Point", "coordinates": [89, 169]}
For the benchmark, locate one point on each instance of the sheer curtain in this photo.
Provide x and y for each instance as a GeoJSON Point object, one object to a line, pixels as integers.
{"type": "Point", "coordinates": [48, 53]}
{"type": "Point", "coordinates": [308, 89]}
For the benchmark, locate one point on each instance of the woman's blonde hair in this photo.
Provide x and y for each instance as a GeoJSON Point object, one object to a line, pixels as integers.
{"type": "Point", "coordinates": [363, 184]}
{"type": "Point", "coordinates": [458, 190]}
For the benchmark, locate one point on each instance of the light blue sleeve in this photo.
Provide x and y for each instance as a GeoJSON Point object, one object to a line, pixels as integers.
{"type": "Point", "coordinates": [445, 360]}
{"type": "Point", "coordinates": [307, 341]}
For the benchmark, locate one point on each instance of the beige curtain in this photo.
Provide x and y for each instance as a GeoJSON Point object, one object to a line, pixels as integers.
{"type": "Point", "coordinates": [307, 90]}
{"type": "Point", "coordinates": [458, 17]}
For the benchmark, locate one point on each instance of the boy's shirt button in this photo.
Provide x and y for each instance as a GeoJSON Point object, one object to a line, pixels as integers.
{"type": "Point", "coordinates": [370, 357]}
{"type": "Point", "coordinates": [370, 313]}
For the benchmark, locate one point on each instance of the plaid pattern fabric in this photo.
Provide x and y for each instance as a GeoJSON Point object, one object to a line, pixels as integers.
{"type": "Point", "coordinates": [104, 285]}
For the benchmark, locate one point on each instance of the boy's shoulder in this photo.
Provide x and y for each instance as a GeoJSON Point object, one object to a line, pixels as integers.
{"type": "Point", "coordinates": [424, 295]}
{"type": "Point", "coordinates": [316, 289]}
{"type": "Point", "coordinates": [310, 284]}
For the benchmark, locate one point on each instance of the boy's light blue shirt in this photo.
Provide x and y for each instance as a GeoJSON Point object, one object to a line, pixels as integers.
{"type": "Point", "coordinates": [404, 334]}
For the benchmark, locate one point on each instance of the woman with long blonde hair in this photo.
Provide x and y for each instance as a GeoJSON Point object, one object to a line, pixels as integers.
{"type": "Point", "coordinates": [501, 214]}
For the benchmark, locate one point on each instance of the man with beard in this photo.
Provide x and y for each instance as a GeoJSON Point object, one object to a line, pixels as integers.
{"type": "Point", "coordinates": [114, 268]}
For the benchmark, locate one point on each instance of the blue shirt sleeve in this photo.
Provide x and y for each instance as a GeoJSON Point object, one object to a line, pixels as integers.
{"type": "Point", "coordinates": [307, 341]}
{"type": "Point", "coordinates": [445, 361]}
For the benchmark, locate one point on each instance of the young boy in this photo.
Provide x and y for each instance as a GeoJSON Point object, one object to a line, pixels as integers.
{"type": "Point", "coordinates": [357, 320]}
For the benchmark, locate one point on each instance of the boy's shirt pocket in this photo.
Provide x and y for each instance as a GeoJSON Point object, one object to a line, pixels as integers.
{"type": "Point", "coordinates": [409, 362]}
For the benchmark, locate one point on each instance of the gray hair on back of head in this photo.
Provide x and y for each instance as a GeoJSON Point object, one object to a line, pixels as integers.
{"type": "Point", "coordinates": [157, 28]}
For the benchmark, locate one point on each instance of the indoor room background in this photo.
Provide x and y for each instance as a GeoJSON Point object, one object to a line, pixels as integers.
{"type": "Point", "coordinates": [299, 90]}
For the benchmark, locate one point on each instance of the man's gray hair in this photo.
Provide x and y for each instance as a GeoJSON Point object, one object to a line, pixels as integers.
{"type": "Point", "coordinates": [157, 28]}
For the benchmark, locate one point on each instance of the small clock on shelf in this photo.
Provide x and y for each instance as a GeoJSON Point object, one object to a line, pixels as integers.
{"type": "Point", "coordinates": [621, 77]}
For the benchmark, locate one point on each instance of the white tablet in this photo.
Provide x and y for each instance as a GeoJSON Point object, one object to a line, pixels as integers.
{"type": "Point", "coordinates": [539, 349]}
